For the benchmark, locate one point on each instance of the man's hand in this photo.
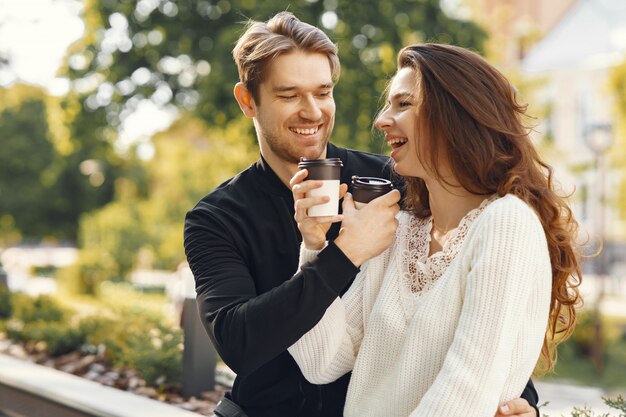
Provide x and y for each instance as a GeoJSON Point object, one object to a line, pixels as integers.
{"type": "Point", "coordinates": [518, 407]}
{"type": "Point", "coordinates": [312, 229]}
{"type": "Point", "coordinates": [367, 232]}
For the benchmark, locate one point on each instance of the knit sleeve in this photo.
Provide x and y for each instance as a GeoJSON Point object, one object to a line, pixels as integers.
{"type": "Point", "coordinates": [328, 351]}
{"type": "Point", "coordinates": [507, 259]}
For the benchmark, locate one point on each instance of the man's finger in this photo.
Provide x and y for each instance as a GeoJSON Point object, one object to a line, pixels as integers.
{"type": "Point", "coordinates": [302, 205]}
{"type": "Point", "coordinates": [327, 219]}
{"type": "Point", "coordinates": [299, 177]}
{"type": "Point", "coordinates": [300, 190]}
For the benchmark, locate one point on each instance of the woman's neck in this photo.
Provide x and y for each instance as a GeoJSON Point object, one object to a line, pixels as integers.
{"type": "Point", "coordinates": [449, 205]}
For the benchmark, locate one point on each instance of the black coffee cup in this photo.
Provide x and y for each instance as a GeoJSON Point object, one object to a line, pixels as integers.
{"type": "Point", "coordinates": [329, 172]}
{"type": "Point", "coordinates": [365, 189]}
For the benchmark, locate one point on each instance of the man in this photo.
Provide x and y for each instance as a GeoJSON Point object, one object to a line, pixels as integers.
{"type": "Point", "coordinates": [242, 242]}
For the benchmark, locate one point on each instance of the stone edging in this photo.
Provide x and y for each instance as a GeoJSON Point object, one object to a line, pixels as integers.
{"type": "Point", "coordinates": [72, 392]}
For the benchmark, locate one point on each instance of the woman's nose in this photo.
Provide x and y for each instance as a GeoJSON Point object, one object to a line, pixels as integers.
{"type": "Point", "coordinates": [383, 121]}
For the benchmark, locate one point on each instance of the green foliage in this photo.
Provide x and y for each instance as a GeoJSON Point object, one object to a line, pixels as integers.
{"type": "Point", "coordinates": [6, 303]}
{"type": "Point", "coordinates": [617, 403]}
{"type": "Point", "coordinates": [184, 49]}
{"type": "Point", "coordinates": [618, 150]}
{"type": "Point", "coordinates": [190, 159]}
{"type": "Point", "coordinates": [151, 348]}
{"type": "Point", "coordinates": [140, 341]}
{"type": "Point", "coordinates": [86, 275]}
{"type": "Point", "coordinates": [132, 335]}
{"type": "Point", "coordinates": [574, 360]}
{"type": "Point", "coordinates": [42, 191]}
{"type": "Point", "coordinates": [42, 308]}
{"type": "Point", "coordinates": [42, 319]}
{"type": "Point", "coordinates": [58, 338]}
{"type": "Point", "coordinates": [584, 333]}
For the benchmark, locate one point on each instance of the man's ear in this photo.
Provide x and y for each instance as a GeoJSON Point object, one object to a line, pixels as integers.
{"type": "Point", "coordinates": [245, 99]}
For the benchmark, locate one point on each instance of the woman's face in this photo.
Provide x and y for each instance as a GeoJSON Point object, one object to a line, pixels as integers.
{"type": "Point", "coordinates": [399, 120]}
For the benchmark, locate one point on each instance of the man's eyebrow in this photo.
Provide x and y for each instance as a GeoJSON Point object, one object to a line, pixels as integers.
{"type": "Point", "coordinates": [283, 88]}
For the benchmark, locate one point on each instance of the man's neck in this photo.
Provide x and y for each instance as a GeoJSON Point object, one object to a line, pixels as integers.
{"type": "Point", "coordinates": [284, 170]}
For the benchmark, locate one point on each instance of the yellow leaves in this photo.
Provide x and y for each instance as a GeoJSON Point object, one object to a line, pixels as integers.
{"type": "Point", "coordinates": [15, 95]}
{"type": "Point", "coordinates": [387, 56]}
{"type": "Point", "coordinates": [58, 126]}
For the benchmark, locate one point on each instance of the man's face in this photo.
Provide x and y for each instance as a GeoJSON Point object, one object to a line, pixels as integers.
{"type": "Point", "coordinates": [295, 113]}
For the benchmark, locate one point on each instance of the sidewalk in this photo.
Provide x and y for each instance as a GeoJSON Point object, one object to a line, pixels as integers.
{"type": "Point", "coordinates": [562, 399]}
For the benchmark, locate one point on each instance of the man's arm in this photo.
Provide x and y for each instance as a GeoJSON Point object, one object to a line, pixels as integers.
{"type": "Point", "coordinates": [247, 328]}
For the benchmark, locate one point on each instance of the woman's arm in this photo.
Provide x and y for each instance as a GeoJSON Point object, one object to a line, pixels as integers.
{"type": "Point", "coordinates": [328, 351]}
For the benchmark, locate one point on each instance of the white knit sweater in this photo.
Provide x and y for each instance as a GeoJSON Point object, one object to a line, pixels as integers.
{"type": "Point", "coordinates": [449, 335]}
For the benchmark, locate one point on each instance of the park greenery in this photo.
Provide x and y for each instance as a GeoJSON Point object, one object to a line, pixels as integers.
{"type": "Point", "coordinates": [146, 341]}
{"type": "Point", "coordinates": [130, 332]}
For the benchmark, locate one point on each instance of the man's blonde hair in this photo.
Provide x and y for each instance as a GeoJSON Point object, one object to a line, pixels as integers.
{"type": "Point", "coordinates": [263, 41]}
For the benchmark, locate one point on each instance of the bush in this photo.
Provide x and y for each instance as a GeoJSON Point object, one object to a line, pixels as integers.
{"type": "Point", "coordinates": [86, 275]}
{"type": "Point", "coordinates": [131, 335]}
{"type": "Point", "coordinates": [146, 345]}
{"type": "Point", "coordinates": [58, 338]}
{"type": "Point", "coordinates": [6, 306]}
{"type": "Point", "coordinates": [584, 333]}
{"type": "Point", "coordinates": [157, 357]}
{"type": "Point", "coordinates": [42, 308]}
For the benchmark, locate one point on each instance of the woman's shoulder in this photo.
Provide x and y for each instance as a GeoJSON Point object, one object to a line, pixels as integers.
{"type": "Point", "coordinates": [509, 204]}
{"type": "Point", "coordinates": [512, 212]}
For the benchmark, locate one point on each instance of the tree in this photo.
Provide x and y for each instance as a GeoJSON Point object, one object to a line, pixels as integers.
{"type": "Point", "coordinates": [190, 159]}
{"type": "Point", "coordinates": [618, 152]}
{"type": "Point", "coordinates": [42, 190]}
{"type": "Point", "coordinates": [180, 53]}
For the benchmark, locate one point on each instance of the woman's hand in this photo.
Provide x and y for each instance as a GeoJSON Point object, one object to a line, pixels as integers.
{"type": "Point", "coordinates": [313, 229]}
{"type": "Point", "coordinates": [518, 407]}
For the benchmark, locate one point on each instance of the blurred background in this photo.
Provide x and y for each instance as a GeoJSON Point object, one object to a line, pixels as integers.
{"type": "Point", "coordinates": [117, 116]}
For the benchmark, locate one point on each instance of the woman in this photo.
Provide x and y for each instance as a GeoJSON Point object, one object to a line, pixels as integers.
{"type": "Point", "coordinates": [482, 277]}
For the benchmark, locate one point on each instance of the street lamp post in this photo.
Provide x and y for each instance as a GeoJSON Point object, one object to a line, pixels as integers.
{"type": "Point", "coordinates": [599, 138]}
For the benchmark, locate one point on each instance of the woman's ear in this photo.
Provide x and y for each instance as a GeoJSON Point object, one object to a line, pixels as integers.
{"type": "Point", "coordinates": [245, 99]}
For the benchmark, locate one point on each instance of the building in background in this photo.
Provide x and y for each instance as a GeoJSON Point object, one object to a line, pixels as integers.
{"type": "Point", "coordinates": [515, 26]}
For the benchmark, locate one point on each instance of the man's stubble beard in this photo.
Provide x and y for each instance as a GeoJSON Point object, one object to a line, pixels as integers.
{"type": "Point", "coordinates": [282, 147]}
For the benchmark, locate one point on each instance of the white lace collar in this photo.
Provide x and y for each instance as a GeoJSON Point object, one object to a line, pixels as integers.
{"type": "Point", "coordinates": [418, 270]}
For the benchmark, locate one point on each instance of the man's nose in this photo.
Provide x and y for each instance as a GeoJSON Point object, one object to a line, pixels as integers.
{"type": "Point", "coordinates": [310, 109]}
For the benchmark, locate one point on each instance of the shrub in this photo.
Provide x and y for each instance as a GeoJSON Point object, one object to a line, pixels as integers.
{"type": "Point", "coordinates": [42, 308]}
{"type": "Point", "coordinates": [86, 275]}
{"type": "Point", "coordinates": [6, 306]}
{"type": "Point", "coordinates": [147, 346]}
{"type": "Point", "coordinates": [159, 357]}
{"type": "Point", "coordinates": [59, 338]}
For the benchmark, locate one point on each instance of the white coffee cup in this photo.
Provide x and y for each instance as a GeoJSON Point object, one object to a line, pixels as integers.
{"type": "Point", "coordinates": [329, 172]}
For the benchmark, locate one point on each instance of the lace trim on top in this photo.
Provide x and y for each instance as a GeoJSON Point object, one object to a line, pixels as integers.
{"type": "Point", "coordinates": [420, 271]}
